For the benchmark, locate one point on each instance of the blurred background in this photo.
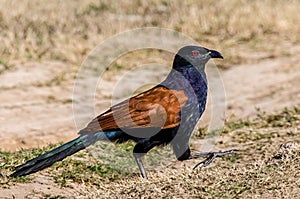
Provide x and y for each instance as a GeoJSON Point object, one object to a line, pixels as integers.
{"type": "Point", "coordinates": [43, 44]}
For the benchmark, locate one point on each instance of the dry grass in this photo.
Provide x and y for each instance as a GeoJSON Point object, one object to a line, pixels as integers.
{"type": "Point", "coordinates": [34, 30]}
{"type": "Point", "coordinates": [267, 166]}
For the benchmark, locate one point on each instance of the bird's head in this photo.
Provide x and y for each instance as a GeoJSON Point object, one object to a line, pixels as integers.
{"type": "Point", "coordinates": [194, 55]}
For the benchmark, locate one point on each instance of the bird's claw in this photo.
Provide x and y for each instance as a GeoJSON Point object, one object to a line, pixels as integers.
{"type": "Point", "coordinates": [211, 157]}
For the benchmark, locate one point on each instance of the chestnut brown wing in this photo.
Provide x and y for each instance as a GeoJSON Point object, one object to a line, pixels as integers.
{"type": "Point", "coordinates": [158, 107]}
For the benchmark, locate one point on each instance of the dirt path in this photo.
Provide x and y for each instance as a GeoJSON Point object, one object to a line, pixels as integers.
{"type": "Point", "coordinates": [35, 111]}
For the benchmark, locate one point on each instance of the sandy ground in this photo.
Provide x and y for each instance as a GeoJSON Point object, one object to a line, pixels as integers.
{"type": "Point", "coordinates": [33, 114]}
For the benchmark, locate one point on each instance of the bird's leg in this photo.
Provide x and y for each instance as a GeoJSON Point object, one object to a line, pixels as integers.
{"type": "Point", "coordinates": [140, 149]}
{"type": "Point", "coordinates": [138, 159]}
{"type": "Point", "coordinates": [210, 158]}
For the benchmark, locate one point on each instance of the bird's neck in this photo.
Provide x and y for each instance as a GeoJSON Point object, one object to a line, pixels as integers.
{"type": "Point", "coordinates": [188, 78]}
{"type": "Point", "coordinates": [196, 78]}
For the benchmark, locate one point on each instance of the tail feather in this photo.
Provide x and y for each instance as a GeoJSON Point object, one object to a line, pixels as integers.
{"type": "Point", "coordinates": [60, 153]}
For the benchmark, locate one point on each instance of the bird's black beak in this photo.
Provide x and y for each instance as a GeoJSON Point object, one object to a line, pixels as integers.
{"type": "Point", "coordinates": [215, 54]}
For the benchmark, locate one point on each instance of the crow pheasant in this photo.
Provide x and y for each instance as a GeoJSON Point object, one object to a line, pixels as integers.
{"type": "Point", "coordinates": [164, 114]}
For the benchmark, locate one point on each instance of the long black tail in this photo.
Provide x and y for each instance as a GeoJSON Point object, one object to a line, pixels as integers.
{"type": "Point", "coordinates": [59, 153]}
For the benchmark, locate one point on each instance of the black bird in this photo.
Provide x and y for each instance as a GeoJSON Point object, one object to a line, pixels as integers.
{"type": "Point", "coordinates": [164, 114]}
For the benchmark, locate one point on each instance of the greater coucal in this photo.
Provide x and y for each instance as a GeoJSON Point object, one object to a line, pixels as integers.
{"type": "Point", "coordinates": [165, 114]}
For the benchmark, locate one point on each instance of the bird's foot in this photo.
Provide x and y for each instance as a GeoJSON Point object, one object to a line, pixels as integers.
{"type": "Point", "coordinates": [211, 157]}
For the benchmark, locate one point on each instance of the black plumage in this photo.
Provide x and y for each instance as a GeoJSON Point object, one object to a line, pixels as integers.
{"type": "Point", "coordinates": [165, 114]}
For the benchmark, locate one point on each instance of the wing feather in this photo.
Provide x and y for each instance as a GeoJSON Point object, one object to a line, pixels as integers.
{"type": "Point", "coordinates": [158, 107]}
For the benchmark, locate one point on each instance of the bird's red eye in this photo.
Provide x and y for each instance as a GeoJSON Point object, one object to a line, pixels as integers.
{"type": "Point", "coordinates": [195, 53]}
